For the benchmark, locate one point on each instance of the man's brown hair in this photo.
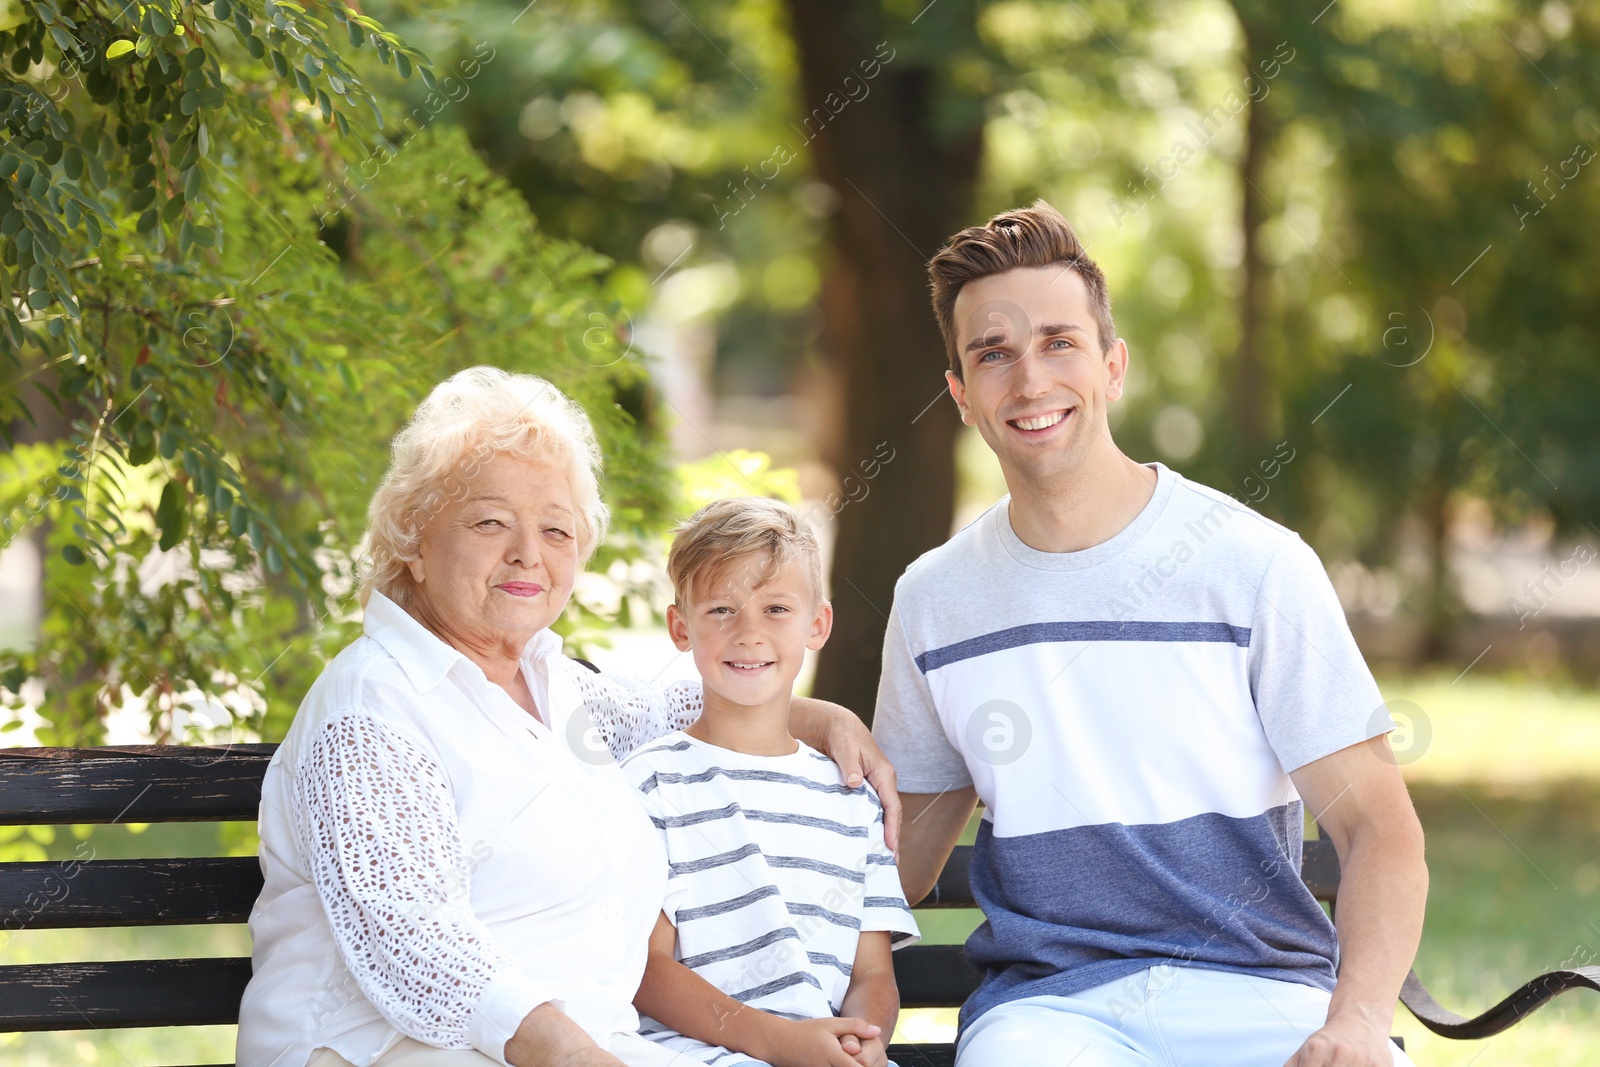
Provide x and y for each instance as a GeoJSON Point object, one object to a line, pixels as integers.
{"type": "Point", "coordinates": [1036, 236]}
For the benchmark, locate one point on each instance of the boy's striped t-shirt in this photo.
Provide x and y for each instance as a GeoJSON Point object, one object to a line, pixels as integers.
{"type": "Point", "coordinates": [776, 869]}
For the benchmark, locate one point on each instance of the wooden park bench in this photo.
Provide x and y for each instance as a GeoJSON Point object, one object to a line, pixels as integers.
{"type": "Point", "coordinates": [43, 786]}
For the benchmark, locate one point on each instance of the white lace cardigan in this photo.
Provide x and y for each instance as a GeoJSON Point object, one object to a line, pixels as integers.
{"type": "Point", "coordinates": [438, 862]}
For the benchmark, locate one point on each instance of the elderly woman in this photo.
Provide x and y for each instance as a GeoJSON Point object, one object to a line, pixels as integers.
{"type": "Point", "coordinates": [454, 874]}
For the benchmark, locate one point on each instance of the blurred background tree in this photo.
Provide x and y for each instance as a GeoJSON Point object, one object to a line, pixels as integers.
{"type": "Point", "coordinates": [1346, 234]}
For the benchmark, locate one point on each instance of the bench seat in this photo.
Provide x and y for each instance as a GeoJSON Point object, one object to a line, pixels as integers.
{"type": "Point", "coordinates": [176, 784]}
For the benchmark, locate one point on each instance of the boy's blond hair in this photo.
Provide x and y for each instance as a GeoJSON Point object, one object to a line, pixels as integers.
{"type": "Point", "coordinates": [738, 528]}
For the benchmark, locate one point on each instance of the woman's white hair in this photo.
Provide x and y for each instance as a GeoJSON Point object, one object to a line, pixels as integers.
{"type": "Point", "coordinates": [464, 422]}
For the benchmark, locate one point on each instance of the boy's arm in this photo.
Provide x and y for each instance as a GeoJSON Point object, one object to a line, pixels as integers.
{"type": "Point", "coordinates": [873, 995]}
{"type": "Point", "coordinates": [675, 995]}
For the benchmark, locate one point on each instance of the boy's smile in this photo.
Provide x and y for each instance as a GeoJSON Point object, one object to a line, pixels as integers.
{"type": "Point", "coordinates": [749, 626]}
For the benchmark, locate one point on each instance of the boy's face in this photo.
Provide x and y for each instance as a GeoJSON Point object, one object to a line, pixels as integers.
{"type": "Point", "coordinates": [749, 636]}
{"type": "Point", "coordinates": [1036, 382]}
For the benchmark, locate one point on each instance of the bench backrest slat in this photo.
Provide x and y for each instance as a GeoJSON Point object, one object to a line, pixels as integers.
{"type": "Point", "coordinates": [142, 783]}
{"type": "Point", "coordinates": [83, 996]}
{"type": "Point", "coordinates": [69, 895]}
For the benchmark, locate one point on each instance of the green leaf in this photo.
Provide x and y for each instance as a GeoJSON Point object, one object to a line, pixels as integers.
{"type": "Point", "coordinates": [238, 520]}
{"type": "Point", "coordinates": [73, 555]}
{"type": "Point", "coordinates": [274, 560]}
{"type": "Point", "coordinates": [171, 515]}
{"type": "Point", "coordinates": [143, 448]}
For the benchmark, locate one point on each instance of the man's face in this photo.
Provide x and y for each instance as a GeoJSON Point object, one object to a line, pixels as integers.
{"type": "Point", "coordinates": [1037, 384]}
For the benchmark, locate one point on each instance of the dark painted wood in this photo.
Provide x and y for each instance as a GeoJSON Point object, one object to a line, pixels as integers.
{"type": "Point", "coordinates": [1527, 999]}
{"type": "Point", "coordinates": [83, 996]}
{"type": "Point", "coordinates": [1319, 869]}
{"type": "Point", "coordinates": [954, 887]}
{"type": "Point", "coordinates": [141, 783]}
{"type": "Point", "coordinates": [923, 1055]}
{"type": "Point", "coordinates": [934, 976]}
{"type": "Point", "coordinates": [73, 894]}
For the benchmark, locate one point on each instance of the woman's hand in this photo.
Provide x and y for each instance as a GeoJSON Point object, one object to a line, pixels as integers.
{"type": "Point", "coordinates": [835, 731]}
{"type": "Point", "coordinates": [549, 1038]}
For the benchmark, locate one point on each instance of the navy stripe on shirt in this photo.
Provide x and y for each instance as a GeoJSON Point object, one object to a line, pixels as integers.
{"type": "Point", "coordinates": [1039, 633]}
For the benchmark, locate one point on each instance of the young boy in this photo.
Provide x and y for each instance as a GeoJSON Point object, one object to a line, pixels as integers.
{"type": "Point", "coordinates": [782, 899]}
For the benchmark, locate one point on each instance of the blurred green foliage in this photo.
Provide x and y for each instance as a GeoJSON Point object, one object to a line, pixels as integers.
{"type": "Point", "coordinates": [244, 282]}
{"type": "Point", "coordinates": [228, 346]}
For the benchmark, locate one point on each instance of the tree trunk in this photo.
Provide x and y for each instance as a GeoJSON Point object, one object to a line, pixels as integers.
{"type": "Point", "coordinates": [903, 188]}
{"type": "Point", "coordinates": [1251, 385]}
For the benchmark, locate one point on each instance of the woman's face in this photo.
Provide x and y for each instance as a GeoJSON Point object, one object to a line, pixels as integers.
{"type": "Point", "coordinates": [497, 562]}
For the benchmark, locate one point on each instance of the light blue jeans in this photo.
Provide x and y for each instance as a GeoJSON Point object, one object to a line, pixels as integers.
{"type": "Point", "coordinates": [1165, 1016]}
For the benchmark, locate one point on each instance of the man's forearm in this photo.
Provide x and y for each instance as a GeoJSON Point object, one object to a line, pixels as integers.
{"type": "Point", "coordinates": [1383, 892]}
{"type": "Point", "coordinates": [810, 719]}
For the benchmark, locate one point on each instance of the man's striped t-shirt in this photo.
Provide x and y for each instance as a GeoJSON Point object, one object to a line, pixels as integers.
{"type": "Point", "coordinates": [1129, 715]}
{"type": "Point", "coordinates": [776, 869]}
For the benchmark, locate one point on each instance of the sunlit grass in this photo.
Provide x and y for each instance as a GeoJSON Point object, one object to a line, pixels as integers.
{"type": "Point", "coordinates": [1488, 729]}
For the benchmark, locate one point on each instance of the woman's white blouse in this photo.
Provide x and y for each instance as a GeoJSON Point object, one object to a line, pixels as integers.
{"type": "Point", "coordinates": [438, 862]}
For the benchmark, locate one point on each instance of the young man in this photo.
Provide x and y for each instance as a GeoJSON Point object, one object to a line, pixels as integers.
{"type": "Point", "coordinates": [1141, 679]}
{"type": "Point", "coordinates": [783, 897]}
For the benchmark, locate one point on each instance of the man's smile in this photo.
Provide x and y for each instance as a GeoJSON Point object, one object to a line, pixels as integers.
{"type": "Point", "coordinates": [1039, 423]}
